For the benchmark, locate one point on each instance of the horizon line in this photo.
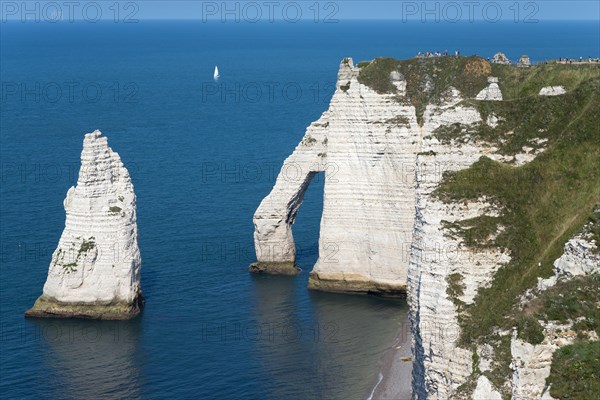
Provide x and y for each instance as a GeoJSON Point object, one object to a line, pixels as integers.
{"type": "Point", "coordinates": [301, 20]}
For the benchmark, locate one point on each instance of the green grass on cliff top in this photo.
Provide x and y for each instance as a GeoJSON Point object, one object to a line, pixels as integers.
{"type": "Point", "coordinates": [543, 203]}
{"type": "Point", "coordinates": [429, 78]}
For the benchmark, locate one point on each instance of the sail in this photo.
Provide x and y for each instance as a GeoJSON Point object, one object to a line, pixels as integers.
{"type": "Point", "coordinates": [216, 75]}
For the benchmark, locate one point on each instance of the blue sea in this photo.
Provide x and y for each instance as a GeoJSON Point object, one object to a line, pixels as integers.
{"type": "Point", "coordinates": [202, 155]}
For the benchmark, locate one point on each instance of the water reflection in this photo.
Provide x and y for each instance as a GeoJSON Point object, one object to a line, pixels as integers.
{"type": "Point", "coordinates": [91, 359]}
{"type": "Point", "coordinates": [322, 345]}
{"type": "Point", "coordinates": [361, 329]}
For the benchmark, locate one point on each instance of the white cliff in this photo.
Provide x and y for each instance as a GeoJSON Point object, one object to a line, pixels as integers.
{"type": "Point", "coordinates": [95, 270]}
{"type": "Point", "coordinates": [366, 144]}
{"type": "Point", "coordinates": [383, 228]}
{"type": "Point", "coordinates": [441, 366]}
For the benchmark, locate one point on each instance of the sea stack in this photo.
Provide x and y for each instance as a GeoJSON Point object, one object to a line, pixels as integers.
{"type": "Point", "coordinates": [95, 270]}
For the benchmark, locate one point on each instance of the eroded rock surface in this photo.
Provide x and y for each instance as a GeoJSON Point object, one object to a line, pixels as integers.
{"type": "Point", "coordinates": [492, 92]}
{"type": "Point", "coordinates": [365, 144]}
{"type": "Point", "coordinates": [531, 363]}
{"type": "Point", "coordinates": [500, 58]}
{"type": "Point", "coordinates": [384, 152]}
{"type": "Point", "coordinates": [95, 270]}
{"type": "Point", "coordinates": [441, 366]}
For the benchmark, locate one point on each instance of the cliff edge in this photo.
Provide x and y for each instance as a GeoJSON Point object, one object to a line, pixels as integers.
{"type": "Point", "coordinates": [458, 183]}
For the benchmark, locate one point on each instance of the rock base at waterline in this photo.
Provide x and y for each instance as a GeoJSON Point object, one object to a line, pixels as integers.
{"type": "Point", "coordinates": [355, 284]}
{"type": "Point", "coordinates": [48, 308]}
{"type": "Point", "coordinates": [274, 268]}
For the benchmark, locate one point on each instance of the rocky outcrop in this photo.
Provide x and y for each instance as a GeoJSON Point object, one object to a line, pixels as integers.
{"type": "Point", "coordinates": [485, 391]}
{"type": "Point", "coordinates": [365, 144]}
{"type": "Point", "coordinates": [95, 270]}
{"type": "Point", "coordinates": [384, 145]}
{"type": "Point", "coordinates": [531, 363]}
{"type": "Point", "coordinates": [552, 91]}
{"type": "Point", "coordinates": [500, 58]}
{"type": "Point", "coordinates": [524, 61]}
{"type": "Point", "coordinates": [491, 92]}
{"type": "Point", "coordinates": [578, 259]}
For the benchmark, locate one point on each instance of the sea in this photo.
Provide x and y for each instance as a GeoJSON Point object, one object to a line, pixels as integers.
{"type": "Point", "coordinates": [202, 155]}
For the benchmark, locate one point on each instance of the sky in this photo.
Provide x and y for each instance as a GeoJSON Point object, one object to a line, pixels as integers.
{"type": "Point", "coordinates": [518, 11]}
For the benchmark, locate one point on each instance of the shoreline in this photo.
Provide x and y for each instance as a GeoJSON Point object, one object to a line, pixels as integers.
{"type": "Point", "coordinates": [395, 374]}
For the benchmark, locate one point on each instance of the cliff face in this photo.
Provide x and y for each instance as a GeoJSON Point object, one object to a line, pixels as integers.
{"type": "Point", "coordinates": [441, 263]}
{"type": "Point", "coordinates": [95, 269]}
{"type": "Point", "coordinates": [489, 228]}
{"type": "Point", "coordinates": [365, 144]}
{"type": "Point", "coordinates": [473, 168]}
{"type": "Point", "coordinates": [531, 363]}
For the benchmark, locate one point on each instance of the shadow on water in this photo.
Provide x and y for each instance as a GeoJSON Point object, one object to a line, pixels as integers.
{"type": "Point", "coordinates": [356, 332]}
{"type": "Point", "coordinates": [314, 344]}
{"type": "Point", "coordinates": [90, 359]}
{"type": "Point", "coordinates": [321, 345]}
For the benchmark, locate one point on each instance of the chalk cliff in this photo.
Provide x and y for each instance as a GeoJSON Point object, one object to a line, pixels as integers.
{"type": "Point", "coordinates": [440, 365]}
{"type": "Point", "coordinates": [95, 269]}
{"type": "Point", "coordinates": [365, 144]}
{"type": "Point", "coordinates": [430, 168]}
{"type": "Point", "coordinates": [474, 180]}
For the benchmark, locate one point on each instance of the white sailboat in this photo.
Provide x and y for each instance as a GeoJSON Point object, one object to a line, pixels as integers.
{"type": "Point", "coordinates": [216, 75]}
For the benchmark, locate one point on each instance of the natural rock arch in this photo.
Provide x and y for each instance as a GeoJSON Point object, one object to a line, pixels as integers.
{"type": "Point", "coordinates": [365, 143]}
{"type": "Point", "coordinates": [273, 235]}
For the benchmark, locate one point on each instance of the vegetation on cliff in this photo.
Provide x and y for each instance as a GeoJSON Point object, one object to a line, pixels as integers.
{"type": "Point", "coordinates": [543, 203]}
{"type": "Point", "coordinates": [428, 79]}
{"type": "Point", "coordinates": [533, 121]}
{"type": "Point", "coordinates": [573, 300]}
{"type": "Point", "coordinates": [575, 372]}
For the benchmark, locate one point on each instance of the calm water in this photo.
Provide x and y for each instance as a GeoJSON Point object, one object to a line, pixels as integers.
{"type": "Point", "coordinates": [201, 156]}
